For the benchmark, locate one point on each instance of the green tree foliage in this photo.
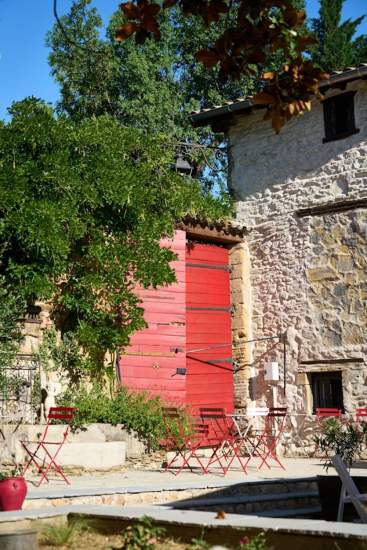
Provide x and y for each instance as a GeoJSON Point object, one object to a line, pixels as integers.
{"type": "Point", "coordinates": [337, 48]}
{"type": "Point", "coordinates": [83, 208]}
{"type": "Point", "coordinates": [83, 65]}
{"type": "Point", "coordinates": [152, 86]}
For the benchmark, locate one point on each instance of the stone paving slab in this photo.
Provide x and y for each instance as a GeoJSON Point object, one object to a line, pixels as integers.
{"type": "Point", "coordinates": [140, 481]}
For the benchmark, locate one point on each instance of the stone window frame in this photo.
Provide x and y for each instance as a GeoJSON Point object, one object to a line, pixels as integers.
{"type": "Point", "coordinates": [314, 385]}
{"type": "Point", "coordinates": [332, 107]}
{"type": "Point", "coordinates": [344, 365]}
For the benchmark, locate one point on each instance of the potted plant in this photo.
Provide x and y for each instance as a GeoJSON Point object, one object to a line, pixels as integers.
{"type": "Point", "coordinates": [13, 490]}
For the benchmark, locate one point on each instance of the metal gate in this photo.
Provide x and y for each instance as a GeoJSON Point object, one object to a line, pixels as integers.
{"type": "Point", "coordinates": [20, 389]}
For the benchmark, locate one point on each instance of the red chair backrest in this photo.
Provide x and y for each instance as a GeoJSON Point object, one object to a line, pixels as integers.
{"type": "Point", "coordinates": [277, 411]}
{"type": "Point", "coordinates": [61, 413]}
{"type": "Point", "coordinates": [218, 423]}
{"type": "Point", "coordinates": [212, 413]}
{"type": "Point", "coordinates": [324, 412]}
{"type": "Point", "coordinates": [361, 413]}
{"type": "Point", "coordinates": [275, 420]}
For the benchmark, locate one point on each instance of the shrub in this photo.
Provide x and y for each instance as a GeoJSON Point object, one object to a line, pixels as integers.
{"type": "Point", "coordinates": [143, 535]}
{"type": "Point", "coordinates": [345, 438]}
{"type": "Point", "coordinates": [137, 411]}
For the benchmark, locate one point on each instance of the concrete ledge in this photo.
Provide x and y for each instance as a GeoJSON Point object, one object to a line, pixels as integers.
{"type": "Point", "coordinates": [295, 527]}
{"type": "Point", "coordinates": [93, 456]}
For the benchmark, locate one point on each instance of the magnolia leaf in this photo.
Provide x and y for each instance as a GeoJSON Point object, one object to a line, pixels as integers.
{"type": "Point", "coordinates": [131, 11]}
{"type": "Point", "coordinates": [263, 98]}
{"type": "Point", "coordinates": [303, 41]}
{"type": "Point", "coordinates": [151, 10]}
{"type": "Point", "coordinates": [291, 108]}
{"type": "Point", "coordinates": [268, 76]}
{"type": "Point", "coordinates": [151, 25]}
{"type": "Point", "coordinates": [125, 31]}
{"type": "Point", "coordinates": [208, 57]}
{"type": "Point", "coordinates": [169, 3]}
{"type": "Point", "coordinates": [268, 114]}
{"type": "Point", "coordinates": [277, 121]}
{"type": "Point", "coordinates": [141, 36]}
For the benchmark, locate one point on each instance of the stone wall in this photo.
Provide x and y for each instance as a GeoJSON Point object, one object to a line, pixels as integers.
{"type": "Point", "coordinates": [308, 274]}
{"type": "Point", "coordinates": [239, 258]}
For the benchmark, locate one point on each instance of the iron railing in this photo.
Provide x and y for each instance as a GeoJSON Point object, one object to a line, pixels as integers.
{"type": "Point", "coordinates": [20, 389]}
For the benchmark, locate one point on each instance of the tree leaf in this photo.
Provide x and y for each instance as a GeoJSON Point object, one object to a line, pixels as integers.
{"type": "Point", "coordinates": [268, 76]}
{"type": "Point", "coordinates": [131, 11]}
{"type": "Point", "coordinates": [208, 57]}
{"type": "Point", "coordinates": [151, 10]}
{"type": "Point", "coordinates": [169, 3]}
{"type": "Point", "coordinates": [151, 25]}
{"type": "Point", "coordinates": [125, 31]}
{"type": "Point", "coordinates": [263, 98]}
{"type": "Point", "coordinates": [277, 121]}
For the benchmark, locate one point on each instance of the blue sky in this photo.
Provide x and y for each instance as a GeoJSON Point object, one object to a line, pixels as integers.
{"type": "Point", "coordinates": [23, 55]}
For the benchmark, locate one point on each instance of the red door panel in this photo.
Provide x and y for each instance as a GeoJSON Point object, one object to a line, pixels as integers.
{"type": "Point", "coordinates": [209, 378]}
{"type": "Point", "coordinates": [150, 362]}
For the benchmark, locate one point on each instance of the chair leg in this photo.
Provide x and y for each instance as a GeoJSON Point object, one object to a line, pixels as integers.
{"type": "Point", "coordinates": [271, 454]}
{"type": "Point", "coordinates": [33, 459]}
{"type": "Point", "coordinates": [52, 464]}
{"type": "Point", "coordinates": [236, 447]}
{"type": "Point", "coordinates": [341, 504]}
{"type": "Point", "coordinates": [215, 457]}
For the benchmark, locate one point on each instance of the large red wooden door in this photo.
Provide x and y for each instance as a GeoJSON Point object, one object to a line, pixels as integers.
{"type": "Point", "coordinates": [209, 377]}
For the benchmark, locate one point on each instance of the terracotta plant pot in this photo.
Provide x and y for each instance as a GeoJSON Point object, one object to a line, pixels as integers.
{"type": "Point", "coordinates": [12, 493]}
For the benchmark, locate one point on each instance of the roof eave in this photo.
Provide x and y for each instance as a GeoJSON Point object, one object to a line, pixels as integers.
{"type": "Point", "coordinates": [218, 116]}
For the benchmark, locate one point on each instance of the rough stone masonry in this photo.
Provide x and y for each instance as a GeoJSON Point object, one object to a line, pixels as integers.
{"type": "Point", "coordinates": [308, 272]}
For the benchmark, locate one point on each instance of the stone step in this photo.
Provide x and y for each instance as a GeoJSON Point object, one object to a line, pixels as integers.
{"type": "Point", "coordinates": [272, 486]}
{"type": "Point", "coordinates": [309, 512]}
{"type": "Point", "coordinates": [247, 499]}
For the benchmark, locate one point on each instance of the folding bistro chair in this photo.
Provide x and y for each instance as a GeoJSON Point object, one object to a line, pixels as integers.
{"type": "Point", "coordinates": [273, 430]}
{"type": "Point", "coordinates": [223, 438]}
{"type": "Point", "coordinates": [197, 439]}
{"type": "Point", "coordinates": [361, 414]}
{"type": "Point", "coordinates": [184, 443]}
{"type": "Point", "coordinates": [349, 491]}
{"type": "Point", "coordinates": [174, 440]}
{"type": "Point", "coordinates": [327, 412]}
{"type": "Point", "coordinates": [250, 431]}
{"type": "Point", "coordinates": [45, 451]}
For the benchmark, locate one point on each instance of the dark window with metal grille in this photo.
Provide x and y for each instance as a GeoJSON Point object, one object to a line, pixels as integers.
{"type": "Point", "coordinates": [339, 117]}
{"type": "Point", "coordinates": [327, 390]}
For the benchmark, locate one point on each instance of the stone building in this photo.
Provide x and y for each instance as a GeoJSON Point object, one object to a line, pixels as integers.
{"type": "Point", "coordinates": [303, 194]}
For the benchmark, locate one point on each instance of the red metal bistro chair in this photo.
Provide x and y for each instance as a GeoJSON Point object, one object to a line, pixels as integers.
{"type": "Point", "coordinates": [43, 453]}
{"type": "Point", "coordinates": [266, 446]}
{"type": "Point", "coordinates": [223, 438]}
{"type": "Point", "coordinates": [327, 412]}
{"type": "Point", "coordinates": [197, 440]}
{"type": "Point", "coordinates": [183, 441]}
{"type": "Point", "coordinates": [174, 439]}
{"type": "Point", "coordinates": [361, 415]}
